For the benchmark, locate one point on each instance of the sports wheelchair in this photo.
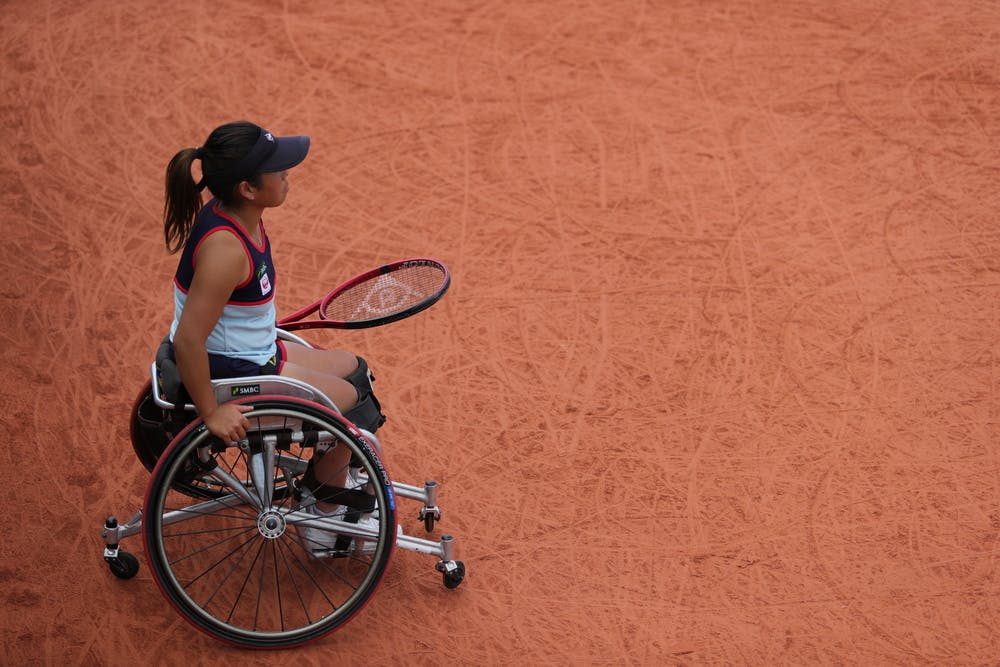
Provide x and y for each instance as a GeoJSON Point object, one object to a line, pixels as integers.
{"type": "Point", "coordinates": [226, 525]}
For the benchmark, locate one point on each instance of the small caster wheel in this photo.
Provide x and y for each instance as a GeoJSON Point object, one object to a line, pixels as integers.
{"type": "Point", "coordinates": [430, 515]}
{"type": "Point", "coordinates": [124, 565]}
{"type": "Point", "coordinates": [454, 576]}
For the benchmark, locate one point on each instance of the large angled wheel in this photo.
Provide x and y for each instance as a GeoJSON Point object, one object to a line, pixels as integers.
{"type": "Point", "coordinates": [239, 565]}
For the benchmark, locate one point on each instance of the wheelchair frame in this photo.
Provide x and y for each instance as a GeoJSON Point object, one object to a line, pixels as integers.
{"type": "Point", "coordinates": [249, 501]}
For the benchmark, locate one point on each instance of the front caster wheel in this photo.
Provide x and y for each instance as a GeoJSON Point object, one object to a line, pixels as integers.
{"type": "Point", "coordinates": [124, 565]}
{"type": "Point", "coordinates": [452, 573]}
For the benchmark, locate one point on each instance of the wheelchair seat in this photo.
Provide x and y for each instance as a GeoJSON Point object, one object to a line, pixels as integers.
{"type": "Point", "coordinates": [163, 408]}
{"type": "Point", "coordinates": [169, 394]}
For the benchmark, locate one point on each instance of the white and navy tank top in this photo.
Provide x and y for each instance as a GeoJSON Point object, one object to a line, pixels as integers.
{"type": "Point", "coordinates": [246, 329]}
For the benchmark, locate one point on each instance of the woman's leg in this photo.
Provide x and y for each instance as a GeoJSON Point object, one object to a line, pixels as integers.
{"type": "Point", "coordinates": [325, 370]}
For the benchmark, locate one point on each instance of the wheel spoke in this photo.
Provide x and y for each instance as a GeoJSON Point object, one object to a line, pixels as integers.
{"type": "Point", "coordinates": [243, 585]}
{"type": "Point", "coordinates": [218, 562]}
{"type": "Point", "coordinates": [282, 548]}
{"type": "Point", "coordinates": [252, 532]}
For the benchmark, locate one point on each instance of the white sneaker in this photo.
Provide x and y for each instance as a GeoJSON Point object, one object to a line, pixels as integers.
{"type": "Point", "coordinates": [319, 541]}
{"type": "Point", "coordinates": [359, 545]}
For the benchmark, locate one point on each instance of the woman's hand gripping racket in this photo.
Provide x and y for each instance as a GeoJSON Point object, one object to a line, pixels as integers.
{"type": "Point", "coordinates": [380, 296]}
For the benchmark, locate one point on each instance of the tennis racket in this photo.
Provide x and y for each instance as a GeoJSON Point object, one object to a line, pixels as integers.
{"type": "Point", "coordinates": [380, 296]}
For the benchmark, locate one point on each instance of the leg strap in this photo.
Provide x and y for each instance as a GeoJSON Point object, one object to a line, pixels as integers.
{"type": "Point", "coordinates": [367, 414]}
{"type": "Point", "coordinates": [355, 499]}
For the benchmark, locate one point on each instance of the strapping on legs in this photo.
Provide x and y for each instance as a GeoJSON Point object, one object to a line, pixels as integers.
{"type": "Point", "coordinates": [367, 413]}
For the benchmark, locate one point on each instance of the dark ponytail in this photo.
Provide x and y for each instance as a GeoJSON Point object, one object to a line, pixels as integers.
{"type": "Point", "coordinates": [225, 146]}
{"type": "Point", "coordinates": [182, 201]}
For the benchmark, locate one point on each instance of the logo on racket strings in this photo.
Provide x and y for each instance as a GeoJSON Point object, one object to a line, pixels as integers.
{"type": "Point", "coordinates": [387, 295]}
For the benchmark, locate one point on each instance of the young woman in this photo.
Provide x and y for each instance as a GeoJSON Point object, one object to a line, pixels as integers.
{"type": "Point", "coordinates": [224, 287]}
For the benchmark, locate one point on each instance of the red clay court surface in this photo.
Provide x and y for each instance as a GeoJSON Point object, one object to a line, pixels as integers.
{"type": "Point", "coordinates": [716, 382]}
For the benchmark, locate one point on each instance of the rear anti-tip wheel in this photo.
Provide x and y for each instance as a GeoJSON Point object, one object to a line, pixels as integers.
{"type": "Point", "coordinates": [124, 565]}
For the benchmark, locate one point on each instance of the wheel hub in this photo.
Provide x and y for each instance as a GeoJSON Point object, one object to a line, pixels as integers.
{"type": "Point", "coordinates": [271, 524]}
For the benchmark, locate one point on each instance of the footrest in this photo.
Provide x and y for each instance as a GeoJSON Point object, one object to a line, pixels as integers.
{"type": "Point", "coordinates": [354, 499]}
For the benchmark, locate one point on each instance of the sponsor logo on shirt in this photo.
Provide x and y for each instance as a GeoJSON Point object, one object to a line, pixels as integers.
{"type": "Point", "coordinates": [265, 284]}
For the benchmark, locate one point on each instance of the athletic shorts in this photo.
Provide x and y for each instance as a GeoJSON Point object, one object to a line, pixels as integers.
{"type": "Point", "coordinates": [220, 366]}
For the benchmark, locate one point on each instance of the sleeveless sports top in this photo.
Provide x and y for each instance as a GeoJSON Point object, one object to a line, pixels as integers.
{"type": "Point", "coordinates": [246, 329]}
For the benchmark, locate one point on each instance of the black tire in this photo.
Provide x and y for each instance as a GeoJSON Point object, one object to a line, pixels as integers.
{"type": "Point", "coordinates": [124, 565]}
{"type": "Point", "coordinates": [429, 520]}
{"type": "Point", "coordinates": [246, 576]}
{"type": "Point", "coordinates": [454, 577]}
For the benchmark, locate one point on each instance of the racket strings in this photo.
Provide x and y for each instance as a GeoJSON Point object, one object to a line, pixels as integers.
{"type": "Point", "coordinates": [384, 294]}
